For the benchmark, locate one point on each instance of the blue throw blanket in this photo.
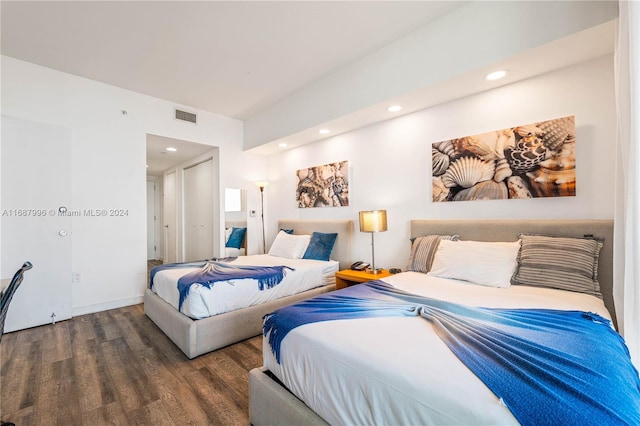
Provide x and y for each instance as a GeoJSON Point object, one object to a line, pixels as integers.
{"type": "Point", "coordinates": [211, 272]}
{"type": "Point", "coordinates": [550, 367]}
{"type": "Point", "coordinates": [195, 264]}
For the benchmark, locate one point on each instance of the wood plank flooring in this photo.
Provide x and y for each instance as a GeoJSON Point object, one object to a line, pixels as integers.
{"type": "Point", "coordinates": [117, 368]}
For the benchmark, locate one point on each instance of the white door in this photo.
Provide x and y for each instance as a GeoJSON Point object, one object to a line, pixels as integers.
{"type": "Point", "coordinates": [36, 220]}
{"type": "Point", "coordinates": [170, 225]}
{"type": "Point", "coordinates": [151, 220]}
{"type": "Point", "coordinates": [198, 211]}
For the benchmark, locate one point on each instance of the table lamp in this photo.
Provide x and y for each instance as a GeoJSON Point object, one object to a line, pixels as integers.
{"type": "Point", "coordinates": [373, 221]}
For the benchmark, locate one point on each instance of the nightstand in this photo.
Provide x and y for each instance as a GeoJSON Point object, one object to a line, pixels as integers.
{"type": "Point", "coordinates": [348, 277]}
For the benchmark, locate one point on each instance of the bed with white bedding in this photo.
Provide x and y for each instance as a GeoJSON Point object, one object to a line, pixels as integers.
{"type": "Point", "coordinates": [227, 312]}
{"type": "Point", "coordinates": [397, 370]}
{"type": "Point", "coordinates": [226, 296]}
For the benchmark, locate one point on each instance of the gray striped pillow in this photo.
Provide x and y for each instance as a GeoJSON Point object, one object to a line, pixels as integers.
{"type": "Point", "coordinates": [559, 262]}
{"type": "Point", "coordinates": [423, 249]}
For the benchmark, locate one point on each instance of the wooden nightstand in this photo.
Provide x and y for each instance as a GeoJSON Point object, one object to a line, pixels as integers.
{"type": "Point", "coordinates": [348, 277]}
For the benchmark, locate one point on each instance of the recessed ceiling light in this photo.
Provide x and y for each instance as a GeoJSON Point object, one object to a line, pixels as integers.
{"type": "Point", "coordinates": [496, 75]}
{"type": "Point", "coordinates": [323, 131]}
{"type": "Point", "coordinates": [171, 149]}
{"type": "Point", "coordinates": [394, 108]}
{"type": "Point", "coordinates": [282, 145]}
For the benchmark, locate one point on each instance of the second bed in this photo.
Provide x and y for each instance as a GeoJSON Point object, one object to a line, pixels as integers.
{"type": "Point", "coordinates": [208, 321]}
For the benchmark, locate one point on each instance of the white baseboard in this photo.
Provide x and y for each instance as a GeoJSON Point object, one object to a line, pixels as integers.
{"type": "Point", "coordinates": [114, 304]}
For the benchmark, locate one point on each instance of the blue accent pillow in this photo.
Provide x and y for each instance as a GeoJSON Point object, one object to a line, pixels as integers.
{"type": "Point", "coordinates": [236, 238]}
{"type": "Point", "coordinates": [320, 246]}
{"type": "Point", "coordinates": [288, 231]}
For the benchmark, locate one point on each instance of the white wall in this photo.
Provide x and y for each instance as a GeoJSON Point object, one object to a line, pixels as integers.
{"type": "Point", "coordinates": [108, 169]}
{"type": "Point", "coordinates": [390, 162]}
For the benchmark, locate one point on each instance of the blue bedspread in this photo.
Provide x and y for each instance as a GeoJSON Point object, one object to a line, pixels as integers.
{"type": "Point", "coordinates": [550, 367]}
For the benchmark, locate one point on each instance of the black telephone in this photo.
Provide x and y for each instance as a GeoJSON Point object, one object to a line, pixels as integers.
{"type": "Point", "coordinates": [359, 266]}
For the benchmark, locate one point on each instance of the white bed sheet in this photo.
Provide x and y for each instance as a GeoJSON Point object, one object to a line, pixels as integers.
{"type": "Point", "coordinates": [396, 371]}
{"type": "Point", "coordinates": [226, 296]}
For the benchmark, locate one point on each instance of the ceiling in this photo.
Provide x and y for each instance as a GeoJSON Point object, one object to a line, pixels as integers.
{"type": "Point", "coordinates": [238, 58]}
{"type": "Point", "coordinates": [232, 58]}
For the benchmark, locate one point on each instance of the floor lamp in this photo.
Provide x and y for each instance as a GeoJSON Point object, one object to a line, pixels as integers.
{"type": "Point", "coordinates": [373, 221]}
{"type": "Point", "coordinates": [262, 185]}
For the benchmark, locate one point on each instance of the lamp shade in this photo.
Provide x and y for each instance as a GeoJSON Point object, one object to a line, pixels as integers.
{"type": "Point", "coordinates": [373, 221]}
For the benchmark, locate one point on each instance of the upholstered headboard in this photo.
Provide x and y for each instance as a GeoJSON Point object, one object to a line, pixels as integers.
{"type": "Point", "coordinates": [508, 230]}
{"type": "Point", "coordinates": [342, 248]}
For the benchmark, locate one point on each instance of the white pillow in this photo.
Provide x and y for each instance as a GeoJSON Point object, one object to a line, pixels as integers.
{"type": "Point", "coordinates": [289, 246]}
{"type": "Point", "coordinates": [227, 234]}
{"type": "Point", "coordinates": [479, 262]}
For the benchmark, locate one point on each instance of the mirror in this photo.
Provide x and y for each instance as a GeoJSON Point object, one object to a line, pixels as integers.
{"type": "Point", "coordinates": [233, 200]}
{"type": "Point", "coordinates": [235, 216]}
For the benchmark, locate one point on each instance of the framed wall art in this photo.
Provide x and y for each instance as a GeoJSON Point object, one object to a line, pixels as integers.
{"type": "Point", "coordinates": [323, 186]}
{"type": "Point", "coordinates": [527, 161]}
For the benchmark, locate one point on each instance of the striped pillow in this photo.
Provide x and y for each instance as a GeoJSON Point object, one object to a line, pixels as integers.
{"type": "Point", "coordinates": [558, 262]}
{"type": "Point", "coordinates": [423, 249]}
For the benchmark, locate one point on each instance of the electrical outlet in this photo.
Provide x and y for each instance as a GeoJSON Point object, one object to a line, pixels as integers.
{"type": "Point", "coordinates": [76, 277]}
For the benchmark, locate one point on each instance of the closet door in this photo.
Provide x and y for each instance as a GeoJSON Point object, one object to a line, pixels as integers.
{"type": "Point", "coordinates": [36, 220]}
{"type": "Point", "coordinates": [198, 211]}
{"type": "Point", "coordinates": [170, 219]}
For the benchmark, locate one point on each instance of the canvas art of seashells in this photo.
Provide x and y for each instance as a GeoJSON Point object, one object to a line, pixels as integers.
{"type": "Point", "coordinates": [323, 186]}
{"type": "Point", "coordinates": [527, 161]}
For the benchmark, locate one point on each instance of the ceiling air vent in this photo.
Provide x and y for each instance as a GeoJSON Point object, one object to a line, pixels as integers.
{"type": "Point", "coordinates": [186, 116]}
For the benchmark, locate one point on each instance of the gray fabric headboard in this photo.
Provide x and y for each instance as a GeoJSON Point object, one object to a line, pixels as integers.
{"type": "Point", "coordinates": [508, 230]}
{"type": "Point", "coordinates": [341, 250]}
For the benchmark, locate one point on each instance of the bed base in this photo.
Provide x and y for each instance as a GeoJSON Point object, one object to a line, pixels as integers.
{"type": "Point", "coordinates": [197, 337]}
{"type": "Point", "coordinates": [276, 405]}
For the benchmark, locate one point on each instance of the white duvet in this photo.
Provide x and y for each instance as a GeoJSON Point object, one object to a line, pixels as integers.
{"type": "Point", "coordinates": [396, 371]}
{"type": "Point", "coordinates": [228, 296]}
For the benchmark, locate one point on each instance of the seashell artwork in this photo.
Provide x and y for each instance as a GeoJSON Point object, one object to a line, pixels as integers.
{"type": "Point", "coordinates": [526, 161]}
{"type": "Point", "coordinates": [487, 190]}
{"type": "Point", "coordinates": [554, 133]}
{"type": "Point", "coordinates": [563, 159]}
{"type": "Point", "coordinates": [438, 190]}
{"type": "Point", "coordinates": [488, 146]}
{"type": "Point", "coordinates": [467, 171]}
{"type": "Point", "coordinates": [323, 186]}
{"type": "Point", "coordinates": [518, 188]}
{"type": "Point", "coordinates": [559, 183]}
{"type": "Point", "coordinates": [439, 162]}
{"type": "Point", "coordinates": [503, 170]}
{"type": "Point", "coordinates": [526, 155]}
{"type": "Point", "coordinates": [445, 147]}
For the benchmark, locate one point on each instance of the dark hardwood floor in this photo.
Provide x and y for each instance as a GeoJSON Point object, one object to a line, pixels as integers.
{"type": "Point", "coordinates": [117, 368]}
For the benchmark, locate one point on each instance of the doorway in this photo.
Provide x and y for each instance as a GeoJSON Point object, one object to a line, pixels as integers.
{"type": "Point", "coordinates": [187, 174]}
